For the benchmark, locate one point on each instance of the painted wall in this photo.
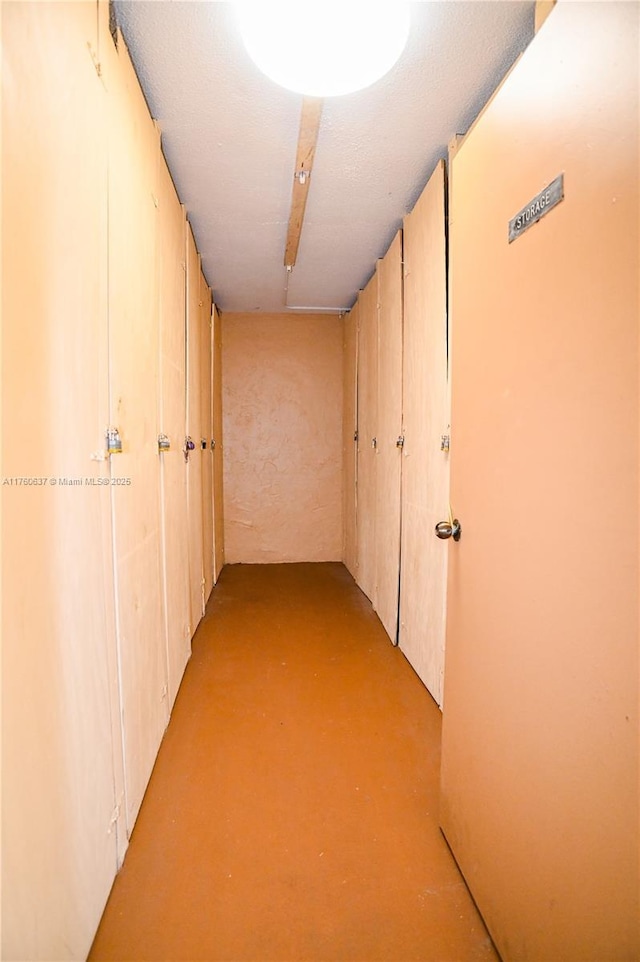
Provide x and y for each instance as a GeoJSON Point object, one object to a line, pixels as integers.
{"type": "Point", "coordinates": [282, 404]}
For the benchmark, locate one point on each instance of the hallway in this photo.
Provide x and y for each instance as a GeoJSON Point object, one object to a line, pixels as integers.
{"type": "Point", "coordinates": [293, 810]}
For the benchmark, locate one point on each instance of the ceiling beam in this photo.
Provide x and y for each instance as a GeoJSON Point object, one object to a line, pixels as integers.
{"type": "Point", "coordinates": [307, 140]}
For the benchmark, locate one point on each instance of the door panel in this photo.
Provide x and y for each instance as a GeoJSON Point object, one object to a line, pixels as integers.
{"type": "Point", "coordinates": [540, 736]}
{"type": "Point", "coordinates": [134, 375]}
{"type": "Point", "coordinates": [367, 427]}
{"type": "Point", "coordinates": [175, 554]}
{"type": "Point", "coordinates": [61, 762]}
{"type": "Point", "coordinates": [194, 431]}
{"type": "Point", "coordinates": [389, 429]}
{"type": "Point", "coordinates": [218, 493]}
{"type": "Point", "coordinates": [206, 414]}
{"type": "Point", "coordinates": [349, 443]}
{"type": "Point", "coordinates": [425, 467]}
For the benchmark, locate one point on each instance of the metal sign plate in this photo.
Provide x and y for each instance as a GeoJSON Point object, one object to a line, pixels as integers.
{"type": "Point", "coordinates": [541, 204]}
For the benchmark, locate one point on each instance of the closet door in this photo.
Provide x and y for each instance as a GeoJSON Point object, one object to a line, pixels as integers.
{"type": "Point", "coordinates": [540, 729]}
{"type": "Point", "coordinates": [388, 433]}
{"type": "Point", "coordinates": [61, 763]}
{"type": "Point", "coordinates": [134, 386]}
{"type": "Point", "coordinates": [194, 433]}
{"type": "Point", "coordinates": [367, 441]}
{"type": "Point", "coordinates": [175, 533]}
{"type": "Point", "coordinates": [206, 427]}
{"type": "Point", "coordinates": [349, 437]}
{"type": "Point", "coordinates": [425, 467]}
{"type": "Point", "coordinates": [218, 499]}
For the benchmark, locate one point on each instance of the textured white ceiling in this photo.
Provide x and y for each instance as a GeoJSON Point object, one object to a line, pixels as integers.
{"type": "Point", "coordinates": [230, 135]}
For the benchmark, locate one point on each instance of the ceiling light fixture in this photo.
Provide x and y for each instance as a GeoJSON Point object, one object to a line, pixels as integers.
{"type": "Point", "coordinates": [324, 49]}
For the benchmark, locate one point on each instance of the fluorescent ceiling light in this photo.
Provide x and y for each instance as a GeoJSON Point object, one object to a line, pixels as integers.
{"type": "Point", "coordinates": [324, 49]}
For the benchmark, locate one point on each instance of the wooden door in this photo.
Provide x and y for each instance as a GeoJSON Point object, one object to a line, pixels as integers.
{"type": "Point", "coordinates": [425, 467]}
{"type": "Point", "coordinates": [134, 384]}
{"type": "Point", "coordinates": [218, 493]}
{"type": "Point", "coordinates": [389, 430]}
{"type": "Point", "coordinates": [61, 740]}
{"type": "Point", "coordinates": [172, 416]}
{"type": "Point", "coordinates": [540, 736]}
{"type": "Point", "coordinates": [367, 441]}
{"type": "Point", "coordinates": [349, 438]}
{"type": "Point", "coordinates": [206, 427]}
{"type": "Point", "coordinates": [194, 434]}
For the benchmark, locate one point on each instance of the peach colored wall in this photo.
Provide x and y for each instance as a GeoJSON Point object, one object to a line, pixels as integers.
{"type": "Point", "coordinates": [282, 405]}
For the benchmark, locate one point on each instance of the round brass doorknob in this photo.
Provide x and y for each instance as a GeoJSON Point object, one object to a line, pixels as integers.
{"type": "Point", "coordinates": [449, 529]}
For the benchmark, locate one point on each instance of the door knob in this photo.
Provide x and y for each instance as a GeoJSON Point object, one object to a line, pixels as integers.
{"type": "Point", "coordinates": [449, 529]}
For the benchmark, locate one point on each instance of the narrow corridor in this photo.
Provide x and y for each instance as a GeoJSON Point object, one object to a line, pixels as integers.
{"type": "Point", "coordinates": [293, 810]}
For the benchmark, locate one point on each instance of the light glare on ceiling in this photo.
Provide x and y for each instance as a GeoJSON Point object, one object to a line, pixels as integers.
{"type": "Point", "coordinates": [324, 49]}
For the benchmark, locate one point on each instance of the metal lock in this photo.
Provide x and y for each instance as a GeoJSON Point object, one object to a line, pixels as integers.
{"type": "Point", "coordinates": [164, 444]}
{"type": "Point", "coordinates": [188, 447]}
{"type": "Point", "coordinates": [114, 441]}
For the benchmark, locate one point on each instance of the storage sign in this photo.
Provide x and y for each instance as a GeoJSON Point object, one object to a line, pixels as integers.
{"type": "Point", "coordinates": [537, 208]}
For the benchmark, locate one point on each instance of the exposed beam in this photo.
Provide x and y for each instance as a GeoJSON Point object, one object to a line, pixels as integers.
{"type": "Point", "coordinates": [542, 10]}
{"type": "Point", "coordinates": [307, 140]}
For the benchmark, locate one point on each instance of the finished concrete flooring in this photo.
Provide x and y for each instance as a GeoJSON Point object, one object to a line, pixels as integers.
{"type": "Point", "coordinates": [292, 815]}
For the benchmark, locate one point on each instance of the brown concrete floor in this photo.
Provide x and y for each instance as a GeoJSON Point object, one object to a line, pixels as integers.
{"type": "Point", "coordinates": [292, 815]}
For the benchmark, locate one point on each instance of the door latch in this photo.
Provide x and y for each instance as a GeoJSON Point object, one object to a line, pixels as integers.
{"type": "Point", "coordinates": [188, 447]}
{"type": "Point", "coordinates": [114, 441]}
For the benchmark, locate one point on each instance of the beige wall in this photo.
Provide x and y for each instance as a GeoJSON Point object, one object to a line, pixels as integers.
{"type": "Point", "coordinates": [282, 403]}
